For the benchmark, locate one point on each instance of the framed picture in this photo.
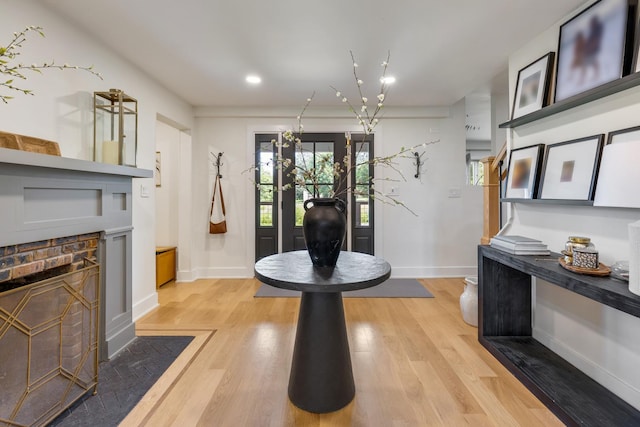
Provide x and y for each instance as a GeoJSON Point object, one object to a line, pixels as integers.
{"type": "Point", "coordinates": [523, 172]}
{"type": "Point", "coordinates": [624, 135]}
{"type": "Point", "coordinates": [157, 173]}
{"type": "Point", "coordinates": [571, 168]}
{"type": "Point", "coordinates": [619, 175]}
{"type": "Point", "coordinates": [532, 88]}
{"type": "Point", "coordinates": [595, 47]}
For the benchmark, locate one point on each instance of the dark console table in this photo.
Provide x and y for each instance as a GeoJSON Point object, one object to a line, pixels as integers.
{"type": "Point", "coordinates": [504, 328]}
{"type": "Point", "coordinates": [321, 378]}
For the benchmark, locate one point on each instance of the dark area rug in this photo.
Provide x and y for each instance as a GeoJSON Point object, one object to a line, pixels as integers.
{"type": "Point", "coordinates": [390, 288]}
{"type": "Point", "coordinates": [122, 381]}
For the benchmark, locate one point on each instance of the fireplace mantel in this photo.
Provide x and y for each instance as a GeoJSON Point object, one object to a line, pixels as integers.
{"type": "Point", "coordinates": [44, 197]}
{"type": "Point", "coordinates": [25, 158]}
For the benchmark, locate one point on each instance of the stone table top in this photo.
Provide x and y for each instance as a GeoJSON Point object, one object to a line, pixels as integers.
{"type": "Point", "coordinates": [294, 271]}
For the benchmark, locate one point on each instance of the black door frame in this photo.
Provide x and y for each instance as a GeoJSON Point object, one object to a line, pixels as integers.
{"type": "Point", "coordinates": [292, 236]}
{"type": "Point", "coordinates": [363, 236]}
{"type": "Point", "coordinates": [266, 236]}
{"type": "Point", "coordinates": [359, 238]}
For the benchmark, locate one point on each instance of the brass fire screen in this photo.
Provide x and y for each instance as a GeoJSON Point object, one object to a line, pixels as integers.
{"type": "Point", "coordinates": [48, 346]}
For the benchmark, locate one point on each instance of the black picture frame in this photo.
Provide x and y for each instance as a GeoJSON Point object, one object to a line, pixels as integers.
{"type": "Point", "coordinates": [635, 61]}
{"type": "Point", "coordinates": [570, 169]}
{"type": "Point", "coordinates": [532, 87]}
{"type": "Point", "coordinates": [624, 135]}
{"type": "Point", "coordinates": [523, 172]}
{"type": "Point", "coordinates": [595, 47]}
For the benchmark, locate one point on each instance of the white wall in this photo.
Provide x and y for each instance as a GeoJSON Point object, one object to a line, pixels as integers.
{"type": "Point", "coordinates": [440, 241]}
{"type": "Point", "coordinates": [61, 110]}
{"type": "Point", "coordinates": [597, 339]}
{"type": "Point", "coordinates": [168, 145]}
{"type": "Point", "coordinates": [499, 111]}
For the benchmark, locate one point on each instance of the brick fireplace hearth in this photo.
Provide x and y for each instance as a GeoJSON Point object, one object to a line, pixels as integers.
{"type": "Point", "coordinates": [63, 254]}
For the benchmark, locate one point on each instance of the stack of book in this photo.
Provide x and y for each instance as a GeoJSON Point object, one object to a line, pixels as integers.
{"type": "Point", "coordinates": [519, 245]}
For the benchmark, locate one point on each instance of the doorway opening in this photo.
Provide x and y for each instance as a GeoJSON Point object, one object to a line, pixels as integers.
{"type": "Point", "coordinates": [173, 207]}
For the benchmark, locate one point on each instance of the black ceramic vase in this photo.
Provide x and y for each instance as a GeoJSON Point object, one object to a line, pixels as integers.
{"type": "Point", "coordinates": [324, 226]}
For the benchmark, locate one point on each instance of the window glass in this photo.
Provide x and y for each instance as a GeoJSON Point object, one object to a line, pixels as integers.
{"type": "Point", "coordinates": [317, 157]}
{"type": "Point", "coordinates": [265, 184]}
{"type": "Point", "coordinates": [266, 215]}
{"type": "Point", "coordinates": [475, 173]}
{"type": "Point", "coordinates": [361, 196]}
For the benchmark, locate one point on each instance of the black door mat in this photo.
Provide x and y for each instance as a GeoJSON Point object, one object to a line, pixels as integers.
{"type": "Point", "coordinates": [123, 380]}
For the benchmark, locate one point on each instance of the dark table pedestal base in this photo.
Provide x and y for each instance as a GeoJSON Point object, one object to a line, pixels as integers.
{"type": "Point", "coordinates": [321, 378]}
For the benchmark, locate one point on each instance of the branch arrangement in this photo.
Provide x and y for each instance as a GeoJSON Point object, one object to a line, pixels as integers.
{"type": "Point", "coordinates": [303, 174]}
{"type": "Point", "coordinates": [10, 53]}
{"type": "Point", "coordinates": [367, 120]}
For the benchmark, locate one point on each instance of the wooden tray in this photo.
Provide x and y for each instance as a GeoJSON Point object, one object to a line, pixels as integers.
{"type": "Point", "coordinates": [38, 145]}
{"type": "Point", "coordinates": [602, 269]}
{"type": "Point", "coordinates": [9, 140]}
{"type": "Point", "coordinates": [28, 143]}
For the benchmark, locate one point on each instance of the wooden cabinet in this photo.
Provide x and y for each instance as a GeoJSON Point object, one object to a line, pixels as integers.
{"type": "Point", "coordinates": [165, 265]}
{"type": "Point", "coordinates": [504, 328]}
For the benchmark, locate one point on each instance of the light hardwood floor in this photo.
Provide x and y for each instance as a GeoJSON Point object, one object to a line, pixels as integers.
{"type": "Point", "coordinates": [415, 363]}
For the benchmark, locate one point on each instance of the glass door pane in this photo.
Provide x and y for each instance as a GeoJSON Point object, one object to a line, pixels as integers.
{"type": "Point", "coordinates": [317, 155]}
{"type": "Point", "coordinates": [316, 158]}
{"type": "Point", "coordinates": [362, 191]}
{"type": "Point", "coordinates": [266, 185]}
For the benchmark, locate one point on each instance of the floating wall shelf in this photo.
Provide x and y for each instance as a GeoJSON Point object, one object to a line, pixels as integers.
{"type": "Point", "coordinates": [618, 85]}
{"type": "Point", "coordinates": [549, 201]}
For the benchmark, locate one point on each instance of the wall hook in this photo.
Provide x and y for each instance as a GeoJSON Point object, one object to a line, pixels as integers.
{"type": "Point", "coordinates": [418, 164]}
{"type": "Point", "coordinates": [218, 164]}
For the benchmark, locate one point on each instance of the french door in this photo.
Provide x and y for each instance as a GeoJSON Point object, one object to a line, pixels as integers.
{"type": "Point", "coordinates": [319, 151]}
{"type": "Point", "coordinates": [266, 212]}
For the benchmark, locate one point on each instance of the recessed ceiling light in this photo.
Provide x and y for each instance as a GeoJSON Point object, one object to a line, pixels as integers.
{"type": "Point", "coordinates": [253, 79]}
{"type": "Point", "coordinates": [388, 80]}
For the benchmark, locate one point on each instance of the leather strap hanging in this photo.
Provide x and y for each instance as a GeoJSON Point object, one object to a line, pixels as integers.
{"type": "Point", "coordinates": [217, 227]}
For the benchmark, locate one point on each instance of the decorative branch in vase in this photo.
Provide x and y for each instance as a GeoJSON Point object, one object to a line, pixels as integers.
{"type": "Point", "coordinates": [306, 175]}
{"type": "Point", "coordinates": [310, 172]}
{"type": "Point", "coordinates": [8, 67]}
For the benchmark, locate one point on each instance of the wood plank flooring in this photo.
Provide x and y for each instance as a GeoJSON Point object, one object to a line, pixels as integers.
{"type": "Point", "coordinates": [415, 363]}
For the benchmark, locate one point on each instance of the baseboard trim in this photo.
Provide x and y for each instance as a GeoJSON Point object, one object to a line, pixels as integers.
{"type": "Point", "coordinates": [396, 272]}
{"type": "Point", "coordinates": [434, 272]}
{"type": "Point", "coordinates": [117, 341]}
{"type": "Point", "coordinates": [222, 273]}
{"type": "Point", "coordinates": [144, 306]}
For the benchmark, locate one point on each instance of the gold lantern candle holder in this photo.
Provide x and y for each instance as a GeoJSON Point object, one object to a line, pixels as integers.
{"type": "Point", "coordinates": [115, 128]}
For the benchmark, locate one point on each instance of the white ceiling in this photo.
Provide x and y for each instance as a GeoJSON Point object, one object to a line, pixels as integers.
{"type": "Point", "coordinates": [441, 50]}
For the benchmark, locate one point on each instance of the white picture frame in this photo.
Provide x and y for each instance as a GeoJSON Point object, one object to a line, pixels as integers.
{"type": "Point", "coordinates": [570, 169]}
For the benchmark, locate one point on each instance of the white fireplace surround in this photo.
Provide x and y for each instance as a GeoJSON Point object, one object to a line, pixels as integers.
{"type": "Point", "coordinates": [45, 197]}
